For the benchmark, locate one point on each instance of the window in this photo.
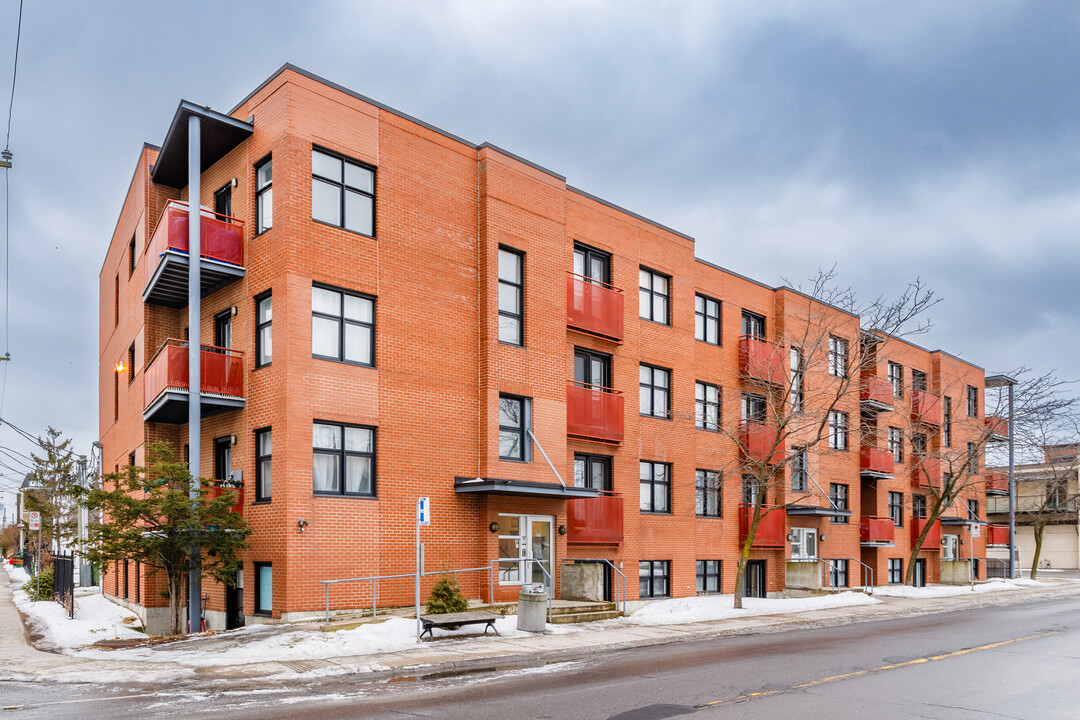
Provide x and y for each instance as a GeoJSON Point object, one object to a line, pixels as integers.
{"type": "Point", "coordinates": [752, 487]}
{"type": "Point", "coordinates": [131, 459]}
{"type": "Point", "coordinates": [511, 297]}
{"type": "Point", "coordinates": [655, 487]}
{"type": "Point", "coordinates": [654, 293]}
{"type": "Point", "coordinates": [972, 401]}
{"type": "Point", "coordinates": [838, 356]}
{"type": "Point", "coordinates": [1056, 495]}
{"type": "Point", "coordinates": [655, 386]}
{"type": "Point", "coordinates": [973, 510]}
{"type": "Point", "coordinates": [896, 571]}
{"type": "Point", "coordinates": [116, 396]}
{"type": "Point", "coordinates": [223, 203]}
{"type": "Point", "coordinates": [797, 370]}
{"type": "Point", "coordinates": [264, 588]}
{"type": "Point", "coordinates": [343, 450]}
{"type": "Point", "coordinates": [707, 319]}
{"type": "Point", "coordinates": [946, 422]}
{"type": "Point", "coordinates": [263, 465]}
{"type": "Point", "coordinates": [131, 257]}
{"type": "Point", "coordinates": [896, 508]}
{"type": "Point", "coordinates": [513, 424]}
{"type": "Point", "coordinates": [838, 573]}
{"type": "Point", "coordinates": [706, 406]}
{"type": "Point", "coordinates": [222, 457]}
{"type": "Point", "coordinates": [116, 301]}
{"type": "Point", "coordinates": [896, 444]}
{"type": "Point", "coordinates": [223, 329]}
{"type": "Point", "coordinates": [592, 369]}
{"type": "Point", "coordinates": [918, 506]}
{"type": "Point", "coordinates": [918, 445]}
{"type": "Point", "coordinates": [753, 325]}
{"type": "Point", "coordinates": [838, 496]}
{"type": "Point", "coordinates": [803, 544]}
{"type": "Point", "coordinates": [264, 331]}
{"type": "Point", "coordinates": [798, 470]}
{"type": "Point", "coordinates": [592, 264]}
{"type": "Point", "coordinates": [342, 192]}
{"type": "Point", "coordinates": [972, 459]}
{"type": "Point", "coordinates": [753, 408]}
{"type": "Point", "coordinates": [708, 577]}
{"type": "Point", "coordinates": [264, 196]}
{"type": "Point", "coordinates": [918, 380]}
{"type": "Point", "coordinates": [131, 363]}
{"type": "Point", "coordinates": [950, 547]}
{"type": "Point", "coordinates": [592, 471]}
{"type": "Point", "coordinates": [653, 578]}
{"type": "Point", "coordinates": [707, 501]}
{"type": "Point", "coordinates": [896, 378]}
{"type": "Point", "coordinates": [838, 427]}
{"type": "Point", "coordinates": [342, 326]}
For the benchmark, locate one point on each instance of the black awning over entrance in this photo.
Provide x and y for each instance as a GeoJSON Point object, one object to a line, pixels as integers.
{"type": "Point", "coordinates": [499, 486]}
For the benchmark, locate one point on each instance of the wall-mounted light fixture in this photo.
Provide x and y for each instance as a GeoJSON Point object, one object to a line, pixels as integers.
{"type": "Point", "coordinates": [120, 366]}
{"type": "Point", "coordinates": [233, 439]}
{"type": "Point", "coordinates": [235, 182]}
{"type": "Point", "coordinates": [494, 527]}
{"type": "Point", "coordinates": [562, 529]}
{"type": "Point", "coordinates": [302, 524]}
{"type": "Point", "coordinates": [821, 537]}
{"type": "Point", "coordinates": [233, 310]}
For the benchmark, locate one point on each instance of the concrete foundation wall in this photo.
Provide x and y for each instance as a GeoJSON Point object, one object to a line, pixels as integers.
{"type": "Point", "coordinates": [583, 581]}
{"type": "Point", "coordinates": [955, 572]}
{"type": "Point", "coordinates": [803, 575]}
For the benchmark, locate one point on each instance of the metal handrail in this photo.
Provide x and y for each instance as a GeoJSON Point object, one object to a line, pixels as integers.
{"type": "Point", "coordinates": [594, 281]}
{"type": "Point", "coordinates": [375, 584]}
{"type": "Point", "coordinates": [867, 571]}
{"type": "Point", "coordinates": [612, 566]}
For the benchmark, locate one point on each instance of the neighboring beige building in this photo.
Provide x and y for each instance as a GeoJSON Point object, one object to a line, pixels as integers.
{"type": "Point", "coordinates": [1049, 488]}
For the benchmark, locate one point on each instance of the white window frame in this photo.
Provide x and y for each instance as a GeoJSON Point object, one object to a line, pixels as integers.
{"type": "Point", "coordinates": [804, 544]}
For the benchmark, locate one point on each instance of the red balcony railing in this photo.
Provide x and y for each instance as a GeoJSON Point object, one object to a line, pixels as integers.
{"type": "Point", "coordinates": [998, 427]}
{"type": "Point", "coordinates": [878, 391]}
{"type": "Point", "coordinates": [217, 491]}
{"type": "Point", "coordinates": [877, 530]}
{"type": "Point", "coordinates": [933, 537]}
{"type": "Point", "coordinates": [926, 472]}
{"type": "Point", "coordinates": [925, 407]}
{"type": "Point", "coordinates": [997, 483]}
{"type": "Point", "coordinates": [760, 360]}
{"type": "Point", "coordinates": [760, 442]}
{"type": "Point", "coordinates": [594, 413]}
{"type": "Point", "coordinates": [876, 460]}
{"type": "Point", "coordinates": [594, 307]}
{"type": "Point", "coordinates": [222, 371]}
{"type": "Point", "coordinates": [997, 534]}
{"type": "Point", "coordinates": [219, 240]}
{"type": "Point", "coordinates": [770, 530]}
{"type": "Point", "coordinates": [595, 521]}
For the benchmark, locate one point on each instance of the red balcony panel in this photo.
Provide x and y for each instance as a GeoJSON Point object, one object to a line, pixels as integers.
{"type": "Point", "coordinates": [880, 530]}
{"type": "Point", "coordinates": [760, 360]}
{"type": "Point", "coordinates": [997, 483]}
{"type": "Point", "coordinates": [933, 537]}
{"type": "Point", "coordinates": [594, 413]}
{"type": "Point", "coordinates": [771, 529]}
{"type": "Point", "coordinates": [876, 460]}
{"type": "Point", "coordinates": [222, 371]}
{"type": "Point", "coordinates": [595, 521]}
{"type": "Point", "coordinates": [594, 307]}
{"type": "Point", "coordinates": [758, 438]}
{"type": "Point", "coordinates": [925, 407]}
{"type": "Point", "coordinates": [997, 534]}
{"type": "Point", "coordinates": [926, 472]}
{"type": "Point", "coordinates": [876, 390]}
{"type": "Point", "coordinates": [998, 427]}
{"type": "Point", "coordinates": [219, 240]}
{"type": "Point", "coordinates": [238, 506]}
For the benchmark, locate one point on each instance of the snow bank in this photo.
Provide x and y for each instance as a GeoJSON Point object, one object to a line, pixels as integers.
{"type": "Point", "coordinates": [719, 607]}
{"type": "Point", "coordinates": [952, 590]}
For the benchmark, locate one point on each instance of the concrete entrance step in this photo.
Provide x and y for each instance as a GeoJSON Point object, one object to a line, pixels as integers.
{"type": "Point", "coordinates": [584, 617]}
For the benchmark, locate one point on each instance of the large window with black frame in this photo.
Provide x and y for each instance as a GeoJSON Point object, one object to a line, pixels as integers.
{"type": "Point", "coordinates": [708, 577]}
{"type": "Point", "coordinates": [264, 329]}
{"type": "Point", "coordinates": [342, 192]}
{"type": "Point", "coordinates": [655, 492]}
{"type": "Point", "coordinates": [511, 296]}
{"type": "Point", "coordinates": [514, 421]}
{"type": "Point", "coordinates": [654, 296]}
{"type": "Point", "coordinates": [264, 196]}
{"type": "Point", "coordinates": [753, 325]}
{"type": "Point", "coordinates": [838, 498]}
{"type": "Point", "coordinates": [707, 319]}
{"type": "Point", "coordinates": [896, 571]}
{"type": "Point", "coordinates": [655, 389]}
{"type": "Point", "coordinates": [653, 578]}
{"type": "Point", "coordinates": [592, 264]}
{"type": "Point", "coordinates": [592, 471]}
{"type": "Point", "coordinates": [706, 406]}
{"type": "Point", "coordinates": [342, 325]}
{"type": "Point", "coordinates": [707, 499]}
{"type": "Point", "coordinates": [896, 508]}
{"type": "Point", "coordinates": [263, 465]}
{"type": "Point", "coordinates": [343, 459]}
{"type": "Point", "coordinates": [592, 370]}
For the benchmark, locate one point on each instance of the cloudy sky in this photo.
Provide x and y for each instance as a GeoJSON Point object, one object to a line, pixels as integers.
{"type": "Point", "coordinates": [892, 140]}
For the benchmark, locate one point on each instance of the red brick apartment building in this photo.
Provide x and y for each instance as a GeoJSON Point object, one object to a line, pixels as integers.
{"type": "Point", "coordinates": [391, 312]}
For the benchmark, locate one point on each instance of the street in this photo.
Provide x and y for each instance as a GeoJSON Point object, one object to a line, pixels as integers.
{"type": "Point", "coordinates": [1018, 661]}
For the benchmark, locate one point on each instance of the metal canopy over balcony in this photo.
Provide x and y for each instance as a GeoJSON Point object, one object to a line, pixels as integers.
{"type": "Point", "coordinates": [220, 135]}
{"type": "Point", "coordinates": [594, 308]}
{"type": "Point", "coordinates": [165, 382]}
{"type": "Point", "coordinates": [595, 521]}
{"type": "Point", "coordinates": [167, 258]}
{"type": "Point", "coordinates": [527, 488]}
{"type": "Point", "coordinates": [875, 394]}
{"type": "Point", "coordinates": [876, 462]}
{"type": "Point", "coordinates": [877, 532]}
{"type": "Point", "coordinates": [817, 511]}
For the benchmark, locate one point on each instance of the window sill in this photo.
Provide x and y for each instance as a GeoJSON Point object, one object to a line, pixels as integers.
{"type": "Point", "coordinates": [716, 345]}
{"type": "Point", "coordinates": [354, 363]}
{"type": "Point", "coordinates": [709, 517]}
{"type": "Point", "coordinates": [260, 367]}
{"type": "Point", "coordinates": [655, 512]}
{"type": "Point", "coordinates": [342, 496]}
{"type": "Point", "coordinates": [707, 429]}
{"type": "Point", "coordinates": [655, 417]}
{"type": "Point", "coordinates": [264, 613]}
{"type": "Point", "coordinates": [654, 322]}
{"type": "Point", "coordinates": [265, 501]}
{"type": "Point", "coordinates": [339, 227]}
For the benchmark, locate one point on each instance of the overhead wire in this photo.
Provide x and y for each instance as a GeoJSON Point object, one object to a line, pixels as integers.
{"type": "Point", "coordinates": [7, 210]}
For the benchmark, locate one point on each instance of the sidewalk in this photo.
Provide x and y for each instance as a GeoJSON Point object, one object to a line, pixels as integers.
{"type": "Point", "coordinates": [24, 663]}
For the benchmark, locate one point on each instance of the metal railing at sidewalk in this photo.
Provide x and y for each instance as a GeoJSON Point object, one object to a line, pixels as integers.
{"type": "Point", "coordinates": [617, 580]}
{"type": "Point", "coordinates": [374, 580]}
{"type": "Point", "coordinates": [829, 567]}
{"type": "Point", "coordinates": [997, 568]}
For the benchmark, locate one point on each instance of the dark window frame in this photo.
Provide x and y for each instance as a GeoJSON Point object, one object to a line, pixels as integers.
{"type": "Point", "coordinates": [588, 357]}
{"type": "Point", "coordinates": [798, 469]}
{"type": "Point", "coordinates": [131, 257]}
{"type": "Point", "coordinates": [918, 507]}
{"type": "Point", "coordinates": [222, 457]}
{"type": "Point", "coordinates": [588, 254]}
{"type": "Point", "coordinates": [257, 590]}
{"type": "Point", "coordinates": [261, 496]}
{"type": "Point", "coordinates": [709, 314]}
{"type": "Point", "coordinates": [260, 327]}
{"type": "Point", "coordinates": [223, 203]}
{"type": "Point", "coordinates": [706, 570]}
{"type": "Point", "coordinates": [264, 190]}
{"type": "Point", "coordinates": [838, 356]}
{"type": "Point", "coordinates": [972, 401]}
{"type": "Point", "coordinates": [131, 363]}
{"type": "Point", "coordinates": [896, 379]}
{"type": "Point", "coordinates": [839, 498]}
{"type": "Point", "coordinates": [343, 456]}
{"type": "Point", "coordinates": [896, 443]}
{"type": "Point", "coordinates": [896, 508]}
{"type": "Point", "coordinates": [653, 484]}
{"type": "Point", "coordinates": [651, 388]}
{"type": "Point", "coordinates": [653, 294]}
{"type": "Point", "coordinates": [838, 572]}
{"type": "Point", "coordinates": [946, 421]}
{"type": "Point", "coordinates": [658, 571]}
{"type": "Point", "coordinates": [343, 190]}
{"type": "Point", "coordinates": [702, 406]}
{"type": "Point", "coordinates": [839, 427]}
{"type": "Point", "coordinates": [521, 430]}
{"type": "Point", "coordinates": [753, 325]}
{"type": "Point", "coordinates": [344, 323]}
{"type": "Point", "coordinates": [589, 462]}
{"type": "Point", "coordinates": [896, 571]}
{"type": "Point", "coordinates": [704, 491]}
{"type": "Point", "coordinates": [798, 376]}
{"type": "Point", "coordinates": [973, 509]}
{"type": "Point", "coordinates": [519, 290]}
{"type": "Point", "coordinates": [918, 380]}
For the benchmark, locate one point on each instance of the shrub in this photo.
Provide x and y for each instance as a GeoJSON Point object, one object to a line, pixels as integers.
{"type": "Point", "coordinates": [40, 587]}
{"type": "Point", "coordinates": [446, 597]}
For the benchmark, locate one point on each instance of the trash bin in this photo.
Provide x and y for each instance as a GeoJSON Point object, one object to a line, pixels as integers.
{"type": "Point", "coordinates": [532, 608]}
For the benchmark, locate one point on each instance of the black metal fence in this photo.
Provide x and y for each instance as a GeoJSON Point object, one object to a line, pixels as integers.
{"type": "Point", "coordinates": [997, 568]}
{"type": "Point", "coordinates": [64, 582]}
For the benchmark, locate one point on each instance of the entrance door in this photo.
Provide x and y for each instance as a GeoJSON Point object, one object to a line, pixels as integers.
{"type": "Point", "coordinates": [525, 550]}
{"type": "Point", "coordinates": [234, 603]}
{"type": "Point", "coordinates": [754, 583]}
{"type": "Point", "coordinates": [920, 572]}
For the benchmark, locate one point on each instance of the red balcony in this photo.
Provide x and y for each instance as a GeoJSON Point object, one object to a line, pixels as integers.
{"type": "Point", "coordinates": [594, 413]}
{"type": "Point", "coordinates": [763, 361]}
{"type": "Point", "coordinates": [166, 262]}
{"type": "Point", "coordinates": [770, 530]}
{"type": "Point", "coordinates": [594, 307]}
{"type": "Point", "coordinates": [925, 407]}
{"type": "Point", "coordinates": [876, 393]}
{"type": "Point", "coordinates": [165, 382]}
{"type": "Point", "coordinates": [998, 428]}
{"type": "Point", "coordinates": [217, 491]}
{"type": "Point", "coordinates": [926, 472]}
{"type": "Point", "coordinates": [877, 531]}
{"type": "Point", "coordinates": [876, 461]}
{"type": "Point", "coordinates": [997, 483]}
{"type": "Point", "coordinates": [595, 521]}
{"type": "Point", "coordinates": [761, 443]}
{"type": "Point", "coordinates": [933, 537]}
{"type": "Point", "coordinates": [997, 535]}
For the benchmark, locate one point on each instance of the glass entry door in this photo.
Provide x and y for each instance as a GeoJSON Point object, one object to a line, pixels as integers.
{"type": "Point", "coordinates": [525, 549]}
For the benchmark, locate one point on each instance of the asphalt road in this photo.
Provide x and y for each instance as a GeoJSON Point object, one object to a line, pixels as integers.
{"type": "Point", "coordinates": [1017, 661]}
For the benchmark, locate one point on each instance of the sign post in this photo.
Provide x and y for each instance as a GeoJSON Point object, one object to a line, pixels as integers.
{"type": "Point", "coordinates": [423, 517]}
{"type": "Point", "coordinates": [974, 528]}
{"type": "Point", "coordinates": [34, 521]}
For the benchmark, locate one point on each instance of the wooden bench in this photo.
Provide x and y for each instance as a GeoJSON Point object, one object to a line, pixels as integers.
{"type": "Point", "coordinates": [455, 619]}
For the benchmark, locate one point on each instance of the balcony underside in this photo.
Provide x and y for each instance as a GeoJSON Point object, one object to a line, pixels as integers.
{"type": "Point", "coordinates": [877, 544]}
{"type": "Point", "coordinates": [171, 406]}
{"type": "Point", "coordinates": [874, 406]}
{"type": "Point", "coordinates": [874, 475]}
{"type": "Point", "coordinates": [498, 486]}
{"type": "Point", "coordinates": [169, 284]}
{"type": "Point", "coordinates": [817, 511]}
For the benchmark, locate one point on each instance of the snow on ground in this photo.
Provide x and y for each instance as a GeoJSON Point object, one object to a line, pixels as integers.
{"type": "Point", "coordinates": [950, 590]}
{"type": "Point", "coordinates": [719, 607]}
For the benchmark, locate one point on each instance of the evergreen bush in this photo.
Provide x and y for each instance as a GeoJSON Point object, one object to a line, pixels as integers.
{"type": "Point", "coordinates": [39, 587]}
{"type": "Point", "coordinates": [446, 597]}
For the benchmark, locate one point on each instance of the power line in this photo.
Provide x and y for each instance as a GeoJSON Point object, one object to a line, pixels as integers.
{"type": "Point", "coordinates": [14, 75]}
